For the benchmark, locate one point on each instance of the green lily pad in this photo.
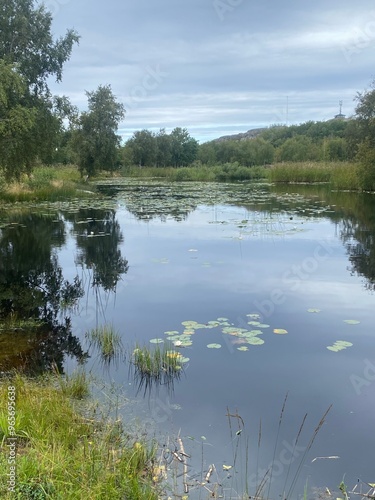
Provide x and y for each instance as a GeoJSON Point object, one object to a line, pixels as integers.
{"type": "Point", "coordinates": [254, 323]}
{"type": "Point", "coordinates": [263, 325]}
{"type": "Point", "coordinates": [222, 319]}
{"type": "Point", "coordinates": [339, 345]}
{"type": "Point", "coordinates": [255, 341]}
{"type": "Point", "coordinates": [171, 332]}
{"type": "Point", "coordinates": [253, 315]}
{"type": "Point", "coordinates": [312, 310]}
{"type": "Point", "coordinates": [214, 346]}
{"type": "Point", "coordinates": [351, 321]}
{"type": "Point", "coordinates": [243, 348]}
{"type": "Point", "coordinates": [156, 341]}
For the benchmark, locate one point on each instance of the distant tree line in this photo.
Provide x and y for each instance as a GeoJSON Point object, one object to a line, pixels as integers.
{"type": "Point", "coordinates": [37, 127]}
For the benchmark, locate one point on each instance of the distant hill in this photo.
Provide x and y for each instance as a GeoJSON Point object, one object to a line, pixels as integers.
{"type": "Point", "coordinates": [250, 134]}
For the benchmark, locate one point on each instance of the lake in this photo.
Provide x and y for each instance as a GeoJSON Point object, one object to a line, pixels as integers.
{"type": "Point", "coordinates": [278, 281]}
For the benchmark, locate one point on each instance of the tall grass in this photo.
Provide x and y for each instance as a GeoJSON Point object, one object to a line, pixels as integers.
{"type": "Point", "coordinates": [222, 173]}
{"type": "Point", "coordinates": [340, 175]}
{"type": "Point", "coordinates": [156, 366]}
{"type": "Point", "coordinates": [45, 184]}
{"type": "Point", "coordinates": [107, 341]}
{"type": "Point", "coordinates": [63, 455]}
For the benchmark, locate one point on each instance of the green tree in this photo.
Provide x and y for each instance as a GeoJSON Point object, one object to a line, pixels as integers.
{"type": "Point", "coordinates": [144, 148]}
{"type": "Point", "coordinates": [164, 154]}
{"type": "Point", "coordinates": [29, 56]}
{"type": "Point", "coordinates": [184, 148]}
{"type": "Point", "coordinates": [95, 140]}
{"type": "Point", "coordinates": [365, 119]}
{"type": "Point", "coordinates": [26, 40]}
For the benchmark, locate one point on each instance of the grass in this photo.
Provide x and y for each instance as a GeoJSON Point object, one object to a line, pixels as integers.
{"type": "Point", "coordinates": [46, 184]}
{"type": "Point", "coordinates": [63, 455]}
{"type": "Point", "coordinates": [340, 175]}
{"type": "Point", "coordinates": [223, 173]}
{"type": "Point", "coordinates": [107, 341]}
{"type": "Point", "coordinates": [158, 365]}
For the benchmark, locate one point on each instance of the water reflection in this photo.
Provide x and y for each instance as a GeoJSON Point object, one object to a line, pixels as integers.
{"type": "Point", "coordinates": [36, 301]}
{"type": "Point", "coordinates": [98, 237]}
{"type": "Point", "coordinates": [354, 214]}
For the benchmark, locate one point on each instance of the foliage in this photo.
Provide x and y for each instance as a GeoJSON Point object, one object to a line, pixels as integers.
{"type": "Point", "coordinates": [365, 114]}
{"type": "Point", "coordinates": [30, 118]}
{"type": "Point", "coordinates": [95, 141]}
{"type": "Point", "coordinates": [63, 454]}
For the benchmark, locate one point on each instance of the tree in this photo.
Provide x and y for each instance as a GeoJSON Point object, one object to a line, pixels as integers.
{"type": "Point", "coordinates": [29, 55]}
{"type": "Point", "coordinates": [184, 148]}
{"type": "Point", "coordinates": [95, 140]}
{"type": "Point", "coordinates": [365, 119]}
{"type": "Point", "coordinates": [144, 148]}
{"type": "Point", "coordinates": [164, 154]}
{"type": "Point", "coordinates": [26, 40]}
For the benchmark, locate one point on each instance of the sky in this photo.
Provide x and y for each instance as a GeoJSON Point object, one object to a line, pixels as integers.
{"type": "Point", "coordinates": [218, 67]}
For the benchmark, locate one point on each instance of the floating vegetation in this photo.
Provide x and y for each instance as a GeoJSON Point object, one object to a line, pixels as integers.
{"type": "Point", "coordinates": [159, 366]}
{"type": "Point", "coordinates": [107, 341]}
{"type": "Point", "coordinates": [339, 345]}
{"type": "Point", "coordinates": [351, 321]}
{"type": "Point", "coordinates": [312, 310]}
{"type": "Point", "coordinates": [243, 348]}
{"type": "Point", "coordinates": [156, 341]}
{"type": "Point", "coordinates": [214, 346]}
{"type": "Point", "coordinates": [280, 331]}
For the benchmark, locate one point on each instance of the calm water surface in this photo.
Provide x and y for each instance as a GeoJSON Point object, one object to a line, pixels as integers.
{"type": "Point", "coordinates": [153, 255]}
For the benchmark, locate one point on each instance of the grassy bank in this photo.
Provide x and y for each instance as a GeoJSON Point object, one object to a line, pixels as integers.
{"type": "Point", "coordinates": [222, 173]}
{"type": "Point", "coordinates": [46, 184]}
{"type": "Point", "coordinates": [340, 175]}
{"type": "Point", "coordinates": [61, 454]}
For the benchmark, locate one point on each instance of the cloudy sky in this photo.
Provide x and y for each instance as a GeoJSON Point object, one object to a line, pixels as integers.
{"type": "Point", "coordinates": [219, 67]}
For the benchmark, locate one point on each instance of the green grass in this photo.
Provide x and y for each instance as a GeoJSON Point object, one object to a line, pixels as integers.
{"type": "Point", "coordinates": [46, 184]}
{"type": "Point", "coordinates": [62, 455]}
{"type": "Point", "coordinates": [340, 175]}
{"type": "Point", "coordinates": [107, 341]}
{"type": "Point", "coordinates": [223, 173]}
{"type": "Point", "coordinates": [156, 366]}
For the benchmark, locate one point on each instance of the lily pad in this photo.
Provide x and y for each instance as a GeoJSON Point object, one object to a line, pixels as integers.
{"type": "Point", "coordinates": [243, 348]}
{"type": "Point", "coordinates": [312, 310]}
{"type": "Point", "coordinates": [351, 321]}
{"type": "Point", "coordinates": [255, 341]}
{"type": "Point", "coordinates": [214, 346]}
{"type": "Point", "coordinates": [253, 315]}
{"type": "Point", "coordinates": [156, 341]}
{"type": "Point", "coordinates": [280, 331]}
{"type": "Point", "coordinates": [339, 345]}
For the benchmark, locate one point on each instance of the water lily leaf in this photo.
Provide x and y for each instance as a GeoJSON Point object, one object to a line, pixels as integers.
{"type": "Point", "coordinates": [243, 348]}
{"type": "Point", "coordinates": [343, 343]}
{"type": "Point", "coordinates": [280, 331]}
{"type": "Point", "coordinates": [253, 315]}
{"type": "Point", "coordinates": [171, 332]}
{"type": "Point", "coordinates": [227, 467]}
{"type": "Point", "coordinates": [156, 341]}
{"type": "Point", "coordinates": [254, 323]}
{"type": "Point", "coordinates": [214, 346]}
{"type": "Point", "coordinates": [222, 319]}
{"type": "Point", "coordinates": [263, 325]}
{"type": "Point", "coordinates": [255, 341]}
{"type": "Point", "coordinates": [333, 348]}
{"type": "Point", "coordinates": [312, 310]}
{"type": "Point", "coordinates": [351, 321]}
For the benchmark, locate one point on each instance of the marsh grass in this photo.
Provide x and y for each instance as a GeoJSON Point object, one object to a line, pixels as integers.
{"type": "Point", "coordinates": [222, 173]}
{"type": "Point", "coordinates": [158, 365]}
{"type": "Point", "coordinates": [46, 184]}
{"type": "Point", "coordinates": [62, 454]}
{"type": "Point", "coordinates": [340, 175]}
{"type": "Point", "coordinates": [107, 341]}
